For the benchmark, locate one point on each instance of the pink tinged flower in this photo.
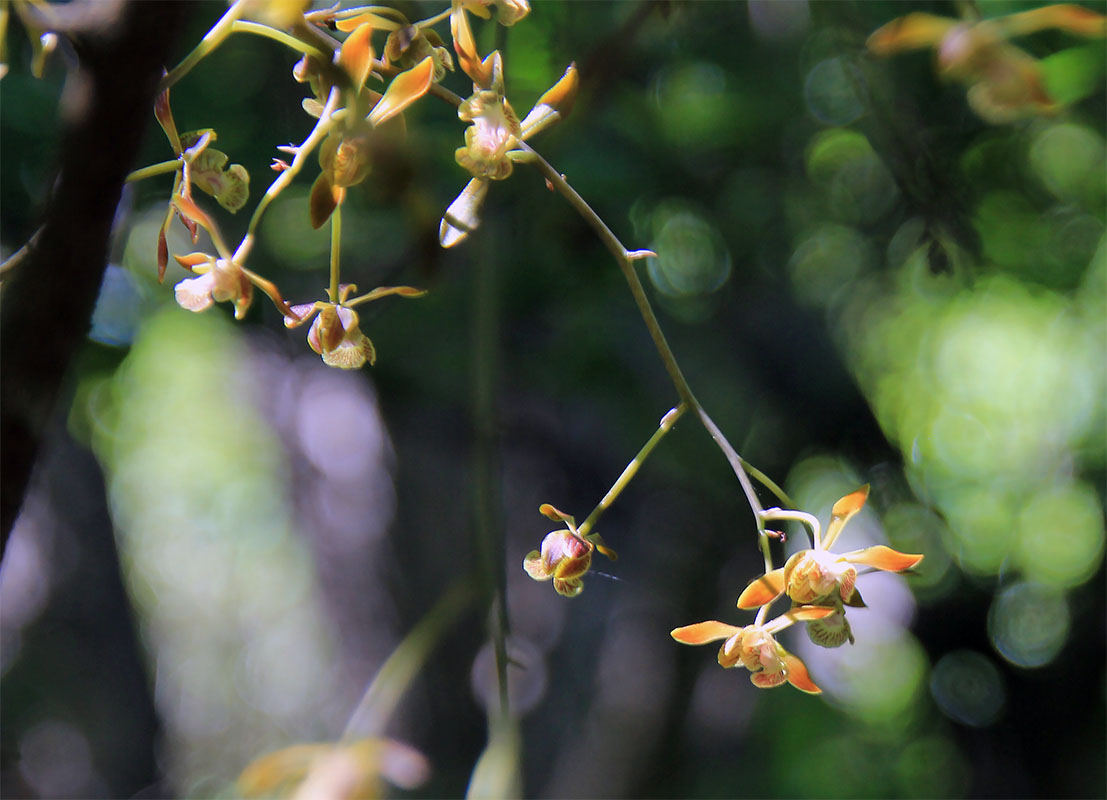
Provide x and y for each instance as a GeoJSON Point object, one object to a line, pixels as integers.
{"type": "Point", "coordinates": [220, 280]}
{"type": "Point", "coordinates": [817, 575]}
{"type": "Point", "coordinates": [494, 132]}
{"type": "Point", "coordinates": [334, 333]}
{"type": "Point", "coordinates": [755, 648]}
{"type": "Point", "coordinates": [565, 557]}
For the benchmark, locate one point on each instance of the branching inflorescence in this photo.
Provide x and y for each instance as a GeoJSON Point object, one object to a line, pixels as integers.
{"type": "Point", "coordinates": [358, 95]}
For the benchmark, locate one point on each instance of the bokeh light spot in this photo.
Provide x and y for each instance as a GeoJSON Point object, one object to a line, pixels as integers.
{"type": "Point", "coordinates": [1069, 160]}
{"type": "Point", "coordinates": [692, 258]}
{"type": "Point", "coordinates": [1060, 535]}
{"type": "Point", "coordinates": [968, 688]}
{"type": "Point", "coordinates": [1028, 624]}
{"type": "Point", "coordinates": [834, 91]}
{"type": "Point", "coordinates": [827, 261]}
{"type": "Point", "coordinates": [857, 185]}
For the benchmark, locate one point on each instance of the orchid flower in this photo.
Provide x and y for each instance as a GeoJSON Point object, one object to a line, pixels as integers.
{"type": "Point", "coordinates": [756, 649]}
{"type": "Point", "coordinates": [495, 132]}
{"type": "Point", "coordinates": [818, 576]}
{"type": "Point", "coordinates": [565, 555]}
{"type": "Point", "coordinates": [334, 333]}
{"type": "Point", "coordinates": [1004, 82]}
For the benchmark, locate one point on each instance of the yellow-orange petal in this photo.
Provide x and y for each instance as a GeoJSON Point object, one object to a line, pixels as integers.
{"type": "Point", "coordinates": [466, 48]}
{"type": "Point", "coordinates": [356, 54]}
{"type": "Point", "coordinates": [762, 590]}
{"type": "Point", "coordinates": [911, 32]}
{"type": "Point", "coordinates": [884, 558]}
{"type": "Point", "coordinates": [405, 89]}
{"type": "Point", "coordinates": [703, 632]}
{"type": "Point", "coordinates": [798, 676]}
{"type": "Point", "coordinates": [808, 613]}
{"type": "Point", "coordinates": [1065, 16]}
{"type": "Point", "coordinates": [556, 103]}
{"type": "Point", "coordinates": [554, 513]}
{"type": "Point", "coordinates": [376, 20]}
{"type": "Point", "coordinates": [842, 512]}
{"type": "Point", "coordinates": [192, 260]}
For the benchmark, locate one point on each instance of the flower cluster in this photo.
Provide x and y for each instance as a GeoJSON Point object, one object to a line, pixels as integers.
{"type": "Point", "coordinates": [820, 585]}
{"type": "Point", "coordinates": [1004, 82]}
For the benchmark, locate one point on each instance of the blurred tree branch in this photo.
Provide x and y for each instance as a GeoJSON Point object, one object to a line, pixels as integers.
{"type": "Point", "coordinates": [48, 302]}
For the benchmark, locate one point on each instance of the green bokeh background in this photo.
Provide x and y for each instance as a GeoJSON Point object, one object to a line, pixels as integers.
{"type": "Point", "coordinates": [864, 283]}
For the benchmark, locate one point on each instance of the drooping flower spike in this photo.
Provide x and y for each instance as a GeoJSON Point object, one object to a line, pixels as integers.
{"type": "Point", "coordinates": [1004, 82]}
{"type": "Point", "coordinates": [818, 576]}
{"type": "Point", "coordinates": [565, 556]}
{"type": "Point", "coordinates": [756, 649]}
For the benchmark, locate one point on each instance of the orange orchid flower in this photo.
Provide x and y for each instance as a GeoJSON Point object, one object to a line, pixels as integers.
{"type": "Point", "coordinates": [821, 577]}
{"type": "Point", "coordinates": [1004, 82]}
{"type": "Point", "coordinates": [756, 649]}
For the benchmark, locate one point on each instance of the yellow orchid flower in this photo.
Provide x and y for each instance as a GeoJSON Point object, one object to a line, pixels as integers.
{"type": "Point", "coordinates": [756, 649]}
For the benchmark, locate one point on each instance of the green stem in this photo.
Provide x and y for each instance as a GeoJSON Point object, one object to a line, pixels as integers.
{"type": "Point", "coordinates": [321, 129]}
{"type": "Point", "coordinates": [288, 40]}
{"type": "Point", "coordinates": [797, 516]}
{"type": "Point", "coordinates": [489, 532]}
{"type": "Point", "coordinates": [429, 21]}
{"type": "Point", "coordinates": [625, 258]}
{"type": "Point", "coordinates": [383, 694]}
{"type": "Point", "coordinates": [667, 423]}
{"type": "Point", "coordinates": [336, 252]}
{"type": "Point", "coordinates": [212, 39]}
{"type": "Point", "coordinates": [768, 483]}
{"type": "Point", "coordinates": [161, 168]}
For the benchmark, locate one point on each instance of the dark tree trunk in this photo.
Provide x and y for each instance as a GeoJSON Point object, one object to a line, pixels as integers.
{"type": "Point", "coordinates": [48, 301]}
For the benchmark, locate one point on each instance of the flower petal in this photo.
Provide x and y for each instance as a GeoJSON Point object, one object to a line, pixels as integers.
{"type": "Point", "coordinates": [466, 48]}
{"type": "Point", "coordinates": [914, 31]}
{"type": "Point", "coordinates": [769, 680]}
{"type": "Point", "coordinates": [568, 587]}
{"type": "Point", "coordinates": [535, 566]}
{"type": "Point", "coordinates": [1065, 16]}
{"type": "Point", "coordinates": [555, 514]}
{"type": "Point", "coordinates": [703, 632]}
{"type": "Point", "coordinates": [356, 54]}
{"type": "Point", "coordinates": [884, 558]}
{"type": "Point", "coordinates": [195, 293]}
{"type": "Point", "coordinates": [841, 513]}
{"type": "Point", "coordinates": [554, 104]}
{"type": "Point", "coordinates": [798, 675]}
{"type": "Point", "coordinates": [322, 202]}
{"type": "Point", "coordinates": [762, 590]}
{"type": "Point", "coordinates": [405, 89]}
{"type": "Point", "coordinates": [463, 215]}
